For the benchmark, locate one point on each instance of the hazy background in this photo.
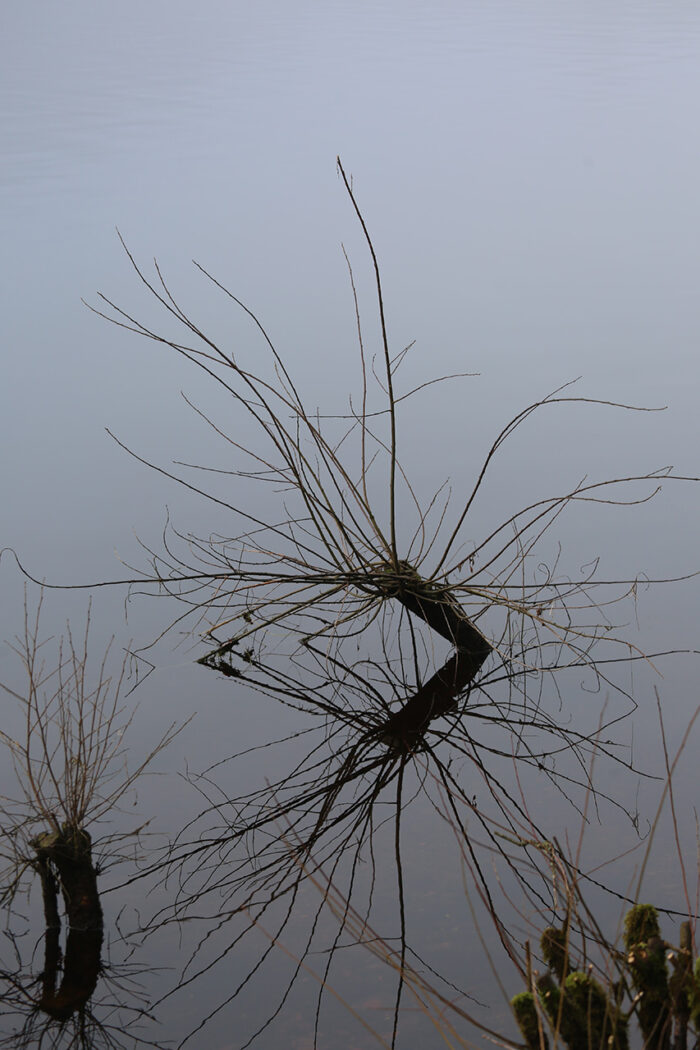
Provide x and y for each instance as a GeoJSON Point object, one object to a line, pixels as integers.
{"type": "Point", "coordinates": [529, 175]}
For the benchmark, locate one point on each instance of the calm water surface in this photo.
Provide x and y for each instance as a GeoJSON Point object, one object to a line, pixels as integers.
{"type": "Point", "coordinates": [529, 175]}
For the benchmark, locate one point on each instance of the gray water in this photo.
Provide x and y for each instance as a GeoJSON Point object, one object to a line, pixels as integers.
{"type": "Point", "coordinates": [529, 175]}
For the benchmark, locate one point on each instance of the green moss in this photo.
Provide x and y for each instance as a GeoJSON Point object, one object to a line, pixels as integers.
{"type": "Point", "coordinates": [583, 1013]}
{"type": "Point", "coordinates": [586, 1014]}
{"type": "Point", "coordinates": [646, 958]}
{"type": "Point", "coordinates": [681, 983]}
{"type": "Point", "coordinates": [641, 925]}
{"type": "Point", "coordinates": [593, 1020]}
{"type": "Point", "coordinates": [550, 997]}
{"type": "Point", "coordinates": [555, 951]}
{"type": "Point", "coordinates": [694, 996]}
{"type": "Point", "coordinates": [525, 1011]}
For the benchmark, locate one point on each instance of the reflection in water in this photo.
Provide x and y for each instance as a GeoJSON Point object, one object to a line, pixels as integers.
{"type": "Point", "coordinates": [333, 607]}
{"type": "Point", "coordinates": [70, 999]}
{"type": "Point", "coordinates": [576, 158]}
{"type": "Point", "coordinates": [65, 860]}
{"type": "Point", "coordinates": [71, 767]}
{"type": "Point", "coordinates": [75, 1001]}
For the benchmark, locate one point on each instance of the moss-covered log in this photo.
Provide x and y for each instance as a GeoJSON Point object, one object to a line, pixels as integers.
{"type": "Point", "coordinates": [525, 1011]}
{"type": "Point", "coordinates": [646, 957]}
{"type": "Point", "coordinates": [555, 951]}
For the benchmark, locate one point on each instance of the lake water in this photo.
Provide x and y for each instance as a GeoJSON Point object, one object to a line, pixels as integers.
{"type": "Point", "coordinates": [529, 176]}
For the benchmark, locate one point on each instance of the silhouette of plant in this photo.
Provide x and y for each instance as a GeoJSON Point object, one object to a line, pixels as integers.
{"type": "Point", "coordinates": [72, 773]}
{"type": "Point", "coordinates": [408, 647]}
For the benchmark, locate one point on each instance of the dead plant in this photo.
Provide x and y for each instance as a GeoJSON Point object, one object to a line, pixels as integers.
{"type": "Point", "coordinates": [332, 605]}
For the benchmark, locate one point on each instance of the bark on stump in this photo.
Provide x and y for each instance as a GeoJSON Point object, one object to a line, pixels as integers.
{"type": "Point", "coordinates": [405, 728]}
{"type": "Point", "coordinates": [64, 859]}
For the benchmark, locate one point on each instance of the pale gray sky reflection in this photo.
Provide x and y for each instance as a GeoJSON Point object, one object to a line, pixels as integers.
{"type": "Point", "coordinates": [529, 174]}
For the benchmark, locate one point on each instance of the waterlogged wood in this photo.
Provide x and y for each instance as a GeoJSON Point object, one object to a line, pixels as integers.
{"type": "Point", "coordinates": [405, 728]}
{"type": "Point", "coordinates": [65, 858]}
{"type": "Point", "coordinates": [68, 853]}
{"type": "Point", "coordinates": [81, 970]}
{"type": "Point", "coordinates": [444, 616]}
{"type": "Point", "coordinates": [437, 607]}
{"type": "Point", "coordinates": [437, 697]}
